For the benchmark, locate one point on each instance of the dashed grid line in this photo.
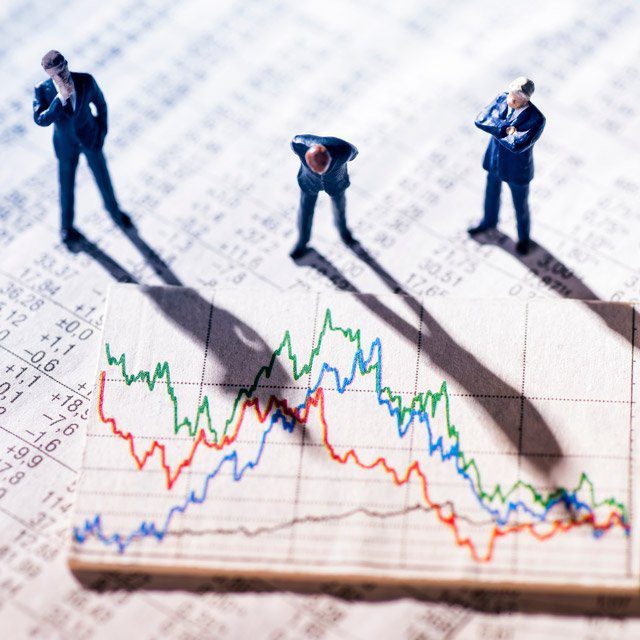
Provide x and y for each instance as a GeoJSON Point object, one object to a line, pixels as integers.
{"type": "Point", "coordinates": [451, 394]}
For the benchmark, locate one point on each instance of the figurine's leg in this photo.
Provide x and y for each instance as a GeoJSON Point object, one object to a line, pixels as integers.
{"type": "Point", "coordinates": [520, 195]}
{"type": "Point", "coordinates": [491, 206]}
{"type": "Point", "coordinates": [339, 205]}
{"type": "Point", "coordinates": [67, 175]}
{"type": "Point", "coordinates": [98, 166]}
{"type": "Point", "coordinates": [492, 201]}
{"type": "Point", "coordinates": [305, 220]}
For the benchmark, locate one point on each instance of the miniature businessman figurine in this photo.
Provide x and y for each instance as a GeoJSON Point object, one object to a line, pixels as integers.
{"type": "Point", "coordinates": [323, 167]}
{"type": "Point", "coordinates": [74, 104]}
{"type": "Point", "coordinates": [515, 124]}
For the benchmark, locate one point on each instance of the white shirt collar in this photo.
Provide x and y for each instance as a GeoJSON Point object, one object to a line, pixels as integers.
{"type": "Point", "coordinates": [517, 112]}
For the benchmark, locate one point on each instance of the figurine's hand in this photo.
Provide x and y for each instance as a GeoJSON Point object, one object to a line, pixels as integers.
{"type": "Point", "coordinates": [510, 130]}
{"type": "Point", "coordinates": [65, 90]}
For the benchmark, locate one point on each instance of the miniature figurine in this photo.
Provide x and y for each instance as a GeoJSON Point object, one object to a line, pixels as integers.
{"type": "Point", "coordinates": [323, 167]}
{"type": "Point", "coordinates": [515, 124]}
{"type": "Point", "coordinates": [75, 105]}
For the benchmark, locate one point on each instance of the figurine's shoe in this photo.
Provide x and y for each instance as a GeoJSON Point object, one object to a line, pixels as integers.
{"type": "Point", "coordinates": [122, 219]}
{"type": "Point", "coordinates": [522, 247]}
{"type": "Point", "coordinates": [71, 237]}
{"type": "Point", "coordinates": [298, 251]}
{"type": "Point", "coordinates": [472, 231]}
{"type": "Point", "coordinates": [347, 237]}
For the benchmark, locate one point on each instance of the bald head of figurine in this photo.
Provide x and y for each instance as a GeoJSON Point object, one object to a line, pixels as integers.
{"type": "Point", "coordinates": [318, 158]}
{"type": "Point", "coordinates": [55, 64]}
{"type": "Point", "coordinates": [520, 92]}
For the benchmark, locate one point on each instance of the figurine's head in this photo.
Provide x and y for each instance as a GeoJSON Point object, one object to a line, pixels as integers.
{"type": "Point", "coordinates": [318, 158]}
{"type": "Point", "coordinates": [520, 92]}
{"type": "Point", "coordinates": [55, 65]}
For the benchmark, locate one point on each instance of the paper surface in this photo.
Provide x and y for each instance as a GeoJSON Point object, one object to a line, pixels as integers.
{"type": "Point", "coordinates": [203, 101]}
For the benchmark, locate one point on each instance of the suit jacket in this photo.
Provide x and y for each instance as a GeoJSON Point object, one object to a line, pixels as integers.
{"type": "Point", "coordinates": [336, 178]}
{"type": "Point", "coordinates": [79, 128]}
{"type": "Point", "coordinates": [510, 157]}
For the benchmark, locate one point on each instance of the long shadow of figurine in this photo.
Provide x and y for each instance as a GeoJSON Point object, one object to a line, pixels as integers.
{"type": "Point", "coordinates": [115, 270]}
{"type": "Point", "coordinates": [160, 267]}
{"type": "Point", "coordinates": [238, 349]}
{"type": "Point", "coordinates": [83, 245]}
{"type": "Point", "coordinates": [444, 352]}
{"type": "Point", "coordinates": [551, 271]}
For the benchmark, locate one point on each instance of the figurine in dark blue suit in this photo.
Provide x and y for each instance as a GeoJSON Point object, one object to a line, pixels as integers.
{"type": "Point", "coordinates": [515, 124]}
{"type": "Point", "coordinates": [323, 167]}
{"type": "Point", "coordinates": [74, 104]}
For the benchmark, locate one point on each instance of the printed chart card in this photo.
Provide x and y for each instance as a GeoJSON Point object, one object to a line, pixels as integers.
{"type": "Point", "coordinates": [350, 436]}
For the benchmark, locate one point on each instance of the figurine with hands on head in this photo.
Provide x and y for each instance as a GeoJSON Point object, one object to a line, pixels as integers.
{"type": "Point", "coordinates": [57, 69]}
{"type": "Point", "coordinates": [74, 104]}
{"type": "Point", "coordinates": [323, 167]}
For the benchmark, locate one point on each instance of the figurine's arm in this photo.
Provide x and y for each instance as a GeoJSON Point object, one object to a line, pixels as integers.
{"type": "Point", "coordinates": [488, 120]}
{"type": "Point", "coordinates": [43, 112]}
{"type": "Point", "coordinates": [520, 141]}
{"type": "Point", "coordinates": [101, 106]}
{"type": "Point", "coordinates": [342, 150]}
{"type": "Point", "coordinates": [298, 147]}
{"type": "Point", "coordinates": [305, 139]}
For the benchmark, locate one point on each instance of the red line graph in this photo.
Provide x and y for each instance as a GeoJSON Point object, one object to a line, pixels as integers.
{"type": "Point", "coordinates": [445, 514]}
{"type": "Point", "coordinates": [172, 476]}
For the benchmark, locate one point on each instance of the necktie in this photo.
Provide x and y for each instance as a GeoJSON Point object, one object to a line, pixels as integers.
{"type": "Point", "coordinates": [510, 113]}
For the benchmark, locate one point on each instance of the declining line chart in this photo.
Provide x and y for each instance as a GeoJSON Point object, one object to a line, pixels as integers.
{"type": "Point", "coordinates": [365, 437]}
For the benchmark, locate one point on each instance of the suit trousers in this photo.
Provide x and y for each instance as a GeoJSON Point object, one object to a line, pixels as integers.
{"type": "Point", "coordinates": [67, 166]}
{"type": "Point", "coordinates": [520, 196]}
{"type": "Point", "coordinates": [307, 209]}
